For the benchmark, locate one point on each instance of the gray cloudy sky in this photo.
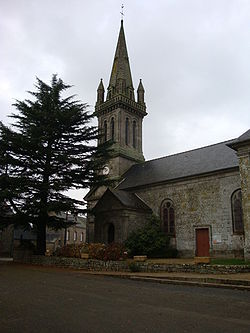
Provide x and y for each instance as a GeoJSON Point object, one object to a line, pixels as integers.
{"type": "Point", "coordinates": [192, 55]}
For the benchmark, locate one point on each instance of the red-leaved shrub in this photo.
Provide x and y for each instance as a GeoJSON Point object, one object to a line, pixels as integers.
{"type": "Point", "coordinates": [96, 251]}
{"type": "Point", "coordinates": [69, 250]}
{"type": "Point", "coordinates": [114, 251]}
{"type": "Point", "coordinates": [106, 252]}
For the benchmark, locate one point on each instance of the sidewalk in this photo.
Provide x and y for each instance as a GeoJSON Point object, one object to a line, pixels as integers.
{"type": "Point", "coordinates": [240, 281]}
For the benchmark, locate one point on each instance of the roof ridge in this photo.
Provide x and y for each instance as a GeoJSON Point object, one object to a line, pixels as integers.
{"type": "Point", "coordinates": [188, 151]}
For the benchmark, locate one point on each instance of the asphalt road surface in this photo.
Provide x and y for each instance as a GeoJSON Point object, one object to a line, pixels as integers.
{"type": "Point", "coordinates": [36, 299]}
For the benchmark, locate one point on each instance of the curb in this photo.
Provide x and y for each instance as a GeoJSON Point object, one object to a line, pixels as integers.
{"type": "Point", "coordinates": [197, 283]}
{"type": "Point", "coordinates": [211, 282]}
{"type": "Point", "coordinates": [178, 280]}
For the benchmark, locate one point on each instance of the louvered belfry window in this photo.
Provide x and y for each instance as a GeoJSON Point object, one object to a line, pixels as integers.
{"type": "Point", "coordinates": [127, 132]}
{"type": "Point", "coordinates": [112, 129]}
{"type": "Point", "coordinates": [105, 131]}
{"type": "Point", "coordinates": [134, 134]}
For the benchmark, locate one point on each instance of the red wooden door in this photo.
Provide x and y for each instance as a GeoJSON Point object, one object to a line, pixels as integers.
{"type": "Point", "coordinates": [202, 242]}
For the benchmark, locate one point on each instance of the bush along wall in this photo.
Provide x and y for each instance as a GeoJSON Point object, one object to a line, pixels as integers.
{"type": "Point", "coordinates": [150, 241]}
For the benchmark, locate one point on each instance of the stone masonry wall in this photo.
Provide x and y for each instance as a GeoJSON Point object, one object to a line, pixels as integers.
{"type": "Point", "coordinates": [124, 221]}
{"type": "Point", "coordinates": [124, 266]}
{"type": "Point", "coordinates": [201, 202]}
{"type": "Point", "coordinates": [244, 163]}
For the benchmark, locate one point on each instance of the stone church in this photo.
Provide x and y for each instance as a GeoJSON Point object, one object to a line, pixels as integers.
{"type": "Point", "coordinates": [201, 196]}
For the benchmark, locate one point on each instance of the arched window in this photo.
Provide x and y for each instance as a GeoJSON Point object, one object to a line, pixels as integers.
{"type": "Point", "coordinates": [236, 204]}
{"type": "Point", "coordinates": [112, 129]}
{"type": "Point", "coordinates": [67, 235]}
{"type": "Point", "coordinates": [127, 131]}
{"type": "Point", "coordinates": [105, 131]}
{"type": "Point", "coordinates": [75, 235]}
{"type": "Point", "coordinates": [81, 237]}
{"type": "Point", "coordinates": [168, 217]}
{"type": "Point", "coordinates": [111, 233]}
{"type": "Point", "coordinates": [134, 134]}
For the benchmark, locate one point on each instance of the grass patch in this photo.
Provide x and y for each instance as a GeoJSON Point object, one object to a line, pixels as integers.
{"type": "Point", "coordinates": [232, 261]}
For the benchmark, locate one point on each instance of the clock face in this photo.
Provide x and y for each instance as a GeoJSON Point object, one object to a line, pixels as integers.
{"type": "Point", "coordinates": [105, 170]}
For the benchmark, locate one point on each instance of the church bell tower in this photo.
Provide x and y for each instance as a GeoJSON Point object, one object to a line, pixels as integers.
{"type": "Point", "coordinates": [120, 115]}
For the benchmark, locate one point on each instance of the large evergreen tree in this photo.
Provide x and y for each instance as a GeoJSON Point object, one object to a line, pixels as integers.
{"type": "Point", "coordinates": [49, 149]}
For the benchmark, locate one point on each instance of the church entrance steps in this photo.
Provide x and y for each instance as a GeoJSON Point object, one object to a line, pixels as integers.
{"type": "Point", "coordinates": [202, 260]}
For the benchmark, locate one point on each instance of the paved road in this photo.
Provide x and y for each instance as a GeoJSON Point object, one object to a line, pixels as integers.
{"type": "Point", "coordinates": [34, 299]}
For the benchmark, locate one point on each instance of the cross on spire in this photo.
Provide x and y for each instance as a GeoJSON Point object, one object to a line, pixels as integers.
{"type": "Point", "coordinates": [122, 13]}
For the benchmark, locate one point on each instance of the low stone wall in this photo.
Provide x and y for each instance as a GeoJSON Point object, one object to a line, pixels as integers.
{"type": "Point", "coordinates": [125, 266]}
{"type": "Point", "coordinates": [76, 263]}
{"type": "Point", "coordinates": [192, 268]}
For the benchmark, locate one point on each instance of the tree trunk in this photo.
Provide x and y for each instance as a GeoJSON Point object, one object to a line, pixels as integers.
{"type": "Point", "coordinates": [41, 238]}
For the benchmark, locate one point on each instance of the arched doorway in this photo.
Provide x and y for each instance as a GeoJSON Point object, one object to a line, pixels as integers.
{"type": "Point", "coordinates": [111, 233]}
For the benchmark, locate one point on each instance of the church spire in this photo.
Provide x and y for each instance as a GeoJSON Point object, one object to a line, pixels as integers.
{"type": "Point", "coordinates": [140, 94]}
{"type": "Point", "coordinates": [100, 93]}
{"type": "Point", "coordinates": [120, 116]}
{"type": "Point", "coordinates": [120, 82]}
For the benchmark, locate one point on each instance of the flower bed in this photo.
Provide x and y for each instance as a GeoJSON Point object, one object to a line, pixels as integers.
{"type": "Point", "coordinates": [105, 252]}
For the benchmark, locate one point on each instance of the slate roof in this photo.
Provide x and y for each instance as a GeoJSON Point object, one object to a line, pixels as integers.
{"type": "Point", "coordinates": [241, 140]}
{"type": "Point", "coordinates": [244, 137]}
{"type": "Point", "coordinates": [127, 199]}
{"type": "Point", "coordinates": [191, 163]}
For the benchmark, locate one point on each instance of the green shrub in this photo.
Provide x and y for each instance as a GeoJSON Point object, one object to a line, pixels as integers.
{"type": "Point", "coordinates": [151, 241]}
{"type": "Point", "coordinates": [134, 267]}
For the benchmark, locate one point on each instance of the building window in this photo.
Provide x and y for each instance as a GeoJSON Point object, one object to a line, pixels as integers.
{"type": "Point", "coordinates": [105, 131]}
{"type": "Point", "coordinates": [168, 217]}
{"type": "Point", "coordinates": [237, 216]}
{"type": "Point", "coordinates": [127, 131]}
{"type": "Point", "coordinates": [134, 134]}
{"type": "Point", "coordinates": [112, 129]}
{"type": "Point", "coordinates": [81, 237]}
{"type": "Point", "coordinates": [67, 235]}
{"type": "Point", "coordinates": [75, 235]}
